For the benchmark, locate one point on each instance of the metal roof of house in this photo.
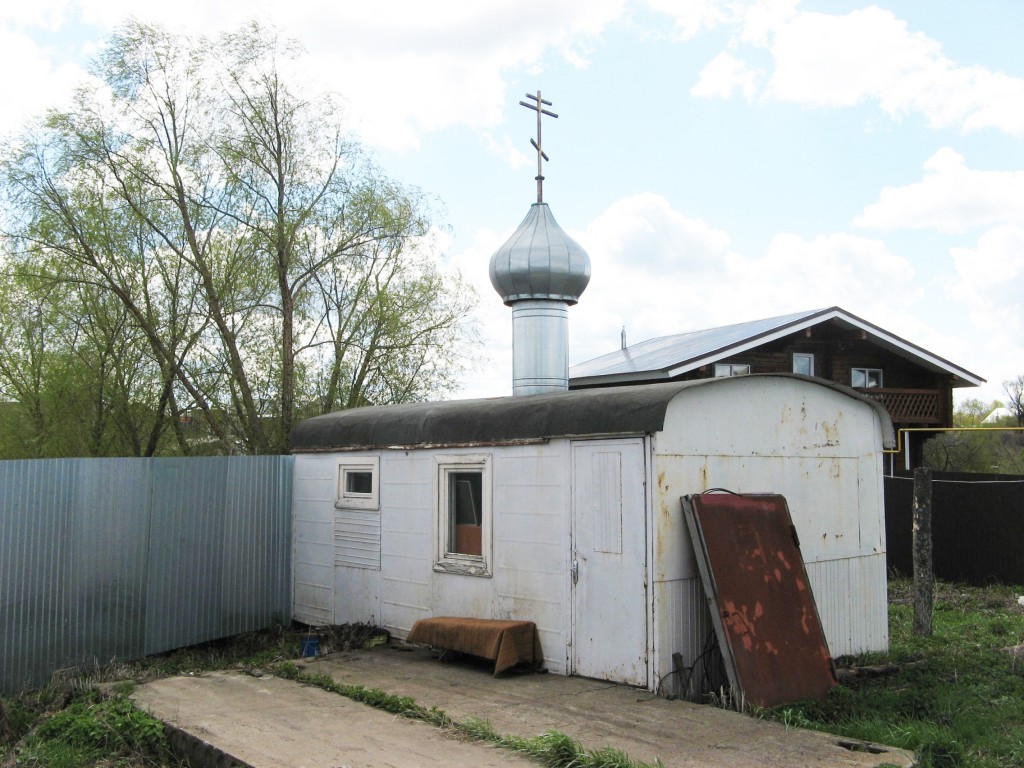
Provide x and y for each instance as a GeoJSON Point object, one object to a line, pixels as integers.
{"type": "Point", "coordinates": [600, 411]}
{"type": "Point", "coordinates": [666, 357]}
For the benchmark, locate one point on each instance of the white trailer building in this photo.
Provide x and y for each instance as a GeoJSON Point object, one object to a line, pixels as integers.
{"type": "Point", "coordinates": [564, 509]}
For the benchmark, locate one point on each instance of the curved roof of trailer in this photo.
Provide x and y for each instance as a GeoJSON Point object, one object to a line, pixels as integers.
{"type": "Point", "coordinates": [632, 410]}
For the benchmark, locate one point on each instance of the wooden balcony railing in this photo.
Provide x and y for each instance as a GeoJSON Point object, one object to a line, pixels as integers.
{"type": "Point", "coordinates": [916, 406]}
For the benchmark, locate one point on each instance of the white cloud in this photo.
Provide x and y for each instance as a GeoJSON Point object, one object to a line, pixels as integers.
{"type": "Point", "coordinates": [763, 16]}
{"type": "Point", "coordinates": [989, 283]}
{"type": "Point", "coordinates": [505, 148]}
{"type": "Point", "coordinates": [950, 198]}
{"type": "Point", "coordinates": [724, 74]}
{"type": "Point", "coordinates": [38, 84]}
{"type": "Point", "coordinates": [828, 60]}
{"type": "Point", "coordinates": [490, 374]}
{"type": "Point", "coordinates": [693, 16]}
{"type": "Point", "coordinates": [659, 272]}
{"type": "Point", "coordinates": [403, 65]}
{"type": "Point", "coordinates": [647, 233]}
{"type": "Point", "coordinates": [990, 280]}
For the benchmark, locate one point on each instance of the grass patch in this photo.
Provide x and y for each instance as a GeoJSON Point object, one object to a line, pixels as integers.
{"type": "Point", "coordinates": [957, 700]}
{"type": "Point", "coordinates": [62, 726]}
{"type": "Point", "coordinates": [552, 749]}
{"type": "Point", "coordinates": [84, 718]}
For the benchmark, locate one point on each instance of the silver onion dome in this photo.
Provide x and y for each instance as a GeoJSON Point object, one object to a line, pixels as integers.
{"type": "Point", "coordinates": [540, 261]}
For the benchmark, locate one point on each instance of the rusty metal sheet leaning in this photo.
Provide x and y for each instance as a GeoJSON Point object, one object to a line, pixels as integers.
{"type": "Point", "coordinates": [761, 602]}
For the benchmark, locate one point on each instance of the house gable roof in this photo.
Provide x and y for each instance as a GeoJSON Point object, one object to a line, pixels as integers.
{"type": "Point", "coordinates": [634, 410]}
{"type": "Point", "coordinates": [666, 357]}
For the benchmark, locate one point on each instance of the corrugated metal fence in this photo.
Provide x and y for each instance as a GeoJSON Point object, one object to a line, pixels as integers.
{"type": "Point", "coordinates": [121, 558]}
{"type": "Point", "coordinates": [977, 526]}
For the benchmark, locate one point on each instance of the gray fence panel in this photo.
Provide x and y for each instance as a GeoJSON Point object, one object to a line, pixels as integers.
{"type": "Point", "coordinates": [118, 558]}
{"type": "Point", "coordinates": [106, 585]}
{"type": "Point", "coordinates": [186, 541]}
{"type": "Point", "coordinates": [33, 519]}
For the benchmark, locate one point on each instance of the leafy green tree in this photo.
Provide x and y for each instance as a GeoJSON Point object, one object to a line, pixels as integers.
{"type": "Point", "coordinates": [74, 376]}
{"type": "Point", "coordinates": [264, 267]}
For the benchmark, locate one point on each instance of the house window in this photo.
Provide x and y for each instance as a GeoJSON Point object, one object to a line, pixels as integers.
{"type": "Point", "coordinates": [862, 378]}
{"type": "Point", "coordinates": [358, 483]}
{"type": "Point", "coordinates": [803, 362]}
{"type": "Point", "coordinates": [731, 369]}
{"type": "Point", "coordinates": [464, 515]}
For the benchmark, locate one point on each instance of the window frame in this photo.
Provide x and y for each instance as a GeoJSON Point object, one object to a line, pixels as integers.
{"type": "Point", "coordinates": [809, 356]}
{"type": "Point", "coordinates": [345, 499]}
{"type": "Point", "coordinates": [454, 562]}
{"type": "Point", "coordinates": [879, 371]}
{"type": "Point", "coordinates": [730, 366]}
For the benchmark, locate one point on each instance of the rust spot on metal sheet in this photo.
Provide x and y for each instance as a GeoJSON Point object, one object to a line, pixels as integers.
{"type": "Point", "coordinates": [787, 414]}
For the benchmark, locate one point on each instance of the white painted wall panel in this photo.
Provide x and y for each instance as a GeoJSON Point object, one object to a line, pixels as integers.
{"type": "Point", "coordinates": [683, 626]}
{"type": "Point", "coordinates": [357, 596]}
{"type": "Point", "coordinates": [313, 492]}
{"type": "Point", "coordinates": [852, 603]}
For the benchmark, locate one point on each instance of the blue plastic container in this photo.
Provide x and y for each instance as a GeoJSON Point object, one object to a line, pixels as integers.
{"type": "Point", "coordinates": [310, 647]}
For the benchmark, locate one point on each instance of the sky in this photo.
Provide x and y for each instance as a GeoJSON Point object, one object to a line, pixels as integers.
{"type": "Point", "coordinates": [719, 160]}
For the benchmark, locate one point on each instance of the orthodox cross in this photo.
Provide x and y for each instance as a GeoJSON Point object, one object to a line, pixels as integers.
{"type": "Point", "coordinates": [539, 109]}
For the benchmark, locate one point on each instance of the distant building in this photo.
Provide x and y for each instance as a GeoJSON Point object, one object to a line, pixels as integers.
{"type": "Point", "coordinates": [997, 415]}
{"type": "Point", "coordinates": [914, 385]}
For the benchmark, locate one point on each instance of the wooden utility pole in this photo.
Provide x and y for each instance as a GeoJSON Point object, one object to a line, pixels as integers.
{"type": "Point", "coordinates": [924, 576]}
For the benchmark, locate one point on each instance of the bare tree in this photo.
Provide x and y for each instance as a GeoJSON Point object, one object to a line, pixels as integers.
{"type": "Point", "coordinates": [1014, 389]}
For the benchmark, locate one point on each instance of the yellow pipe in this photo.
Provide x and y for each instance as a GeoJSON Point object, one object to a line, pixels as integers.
{"type": "Point", "coordinates": [899, 433]}
{"type": "Point", "coordinates": [899, 436]}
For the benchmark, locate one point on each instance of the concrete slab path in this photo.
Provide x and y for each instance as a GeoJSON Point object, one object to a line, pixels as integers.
{"type": "Point", "coordinates": [273, 722]}
{"type": "Point", "coordinates": [269, 722]}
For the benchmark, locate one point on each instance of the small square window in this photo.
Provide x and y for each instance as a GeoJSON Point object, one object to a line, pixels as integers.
{"type": "Point", "coordinates": [803, 362]}
{"type": "Point", "coordinates": [731, 369]}
{"type": "Point", "coordinates": [358, 483]}
{"type": "Point", "coordinates": [864, 378]}
{"type": "Point", "coordinates": [464, 515]}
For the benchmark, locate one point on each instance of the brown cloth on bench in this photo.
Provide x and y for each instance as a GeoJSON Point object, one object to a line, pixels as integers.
{"type": "Point", "coordinates": [507, 643]}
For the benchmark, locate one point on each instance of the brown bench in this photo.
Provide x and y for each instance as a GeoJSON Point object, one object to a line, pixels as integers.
{"type": "Point", "coordinates": [506, 643]}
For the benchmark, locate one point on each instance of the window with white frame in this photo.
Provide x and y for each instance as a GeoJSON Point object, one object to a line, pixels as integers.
{"type": "Point", "coordinates": [866, 377]}
{"type": "Point", "coordinates": [358, 483]}
{"type": "Point", "coordinates": [464, 514]}
{"type": "Point", "coordinates": [731, 369]}
{"type": "Point", "coordinates": [803, 362]}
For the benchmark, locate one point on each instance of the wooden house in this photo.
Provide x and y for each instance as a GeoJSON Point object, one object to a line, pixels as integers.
{"type": "Point", "coordinates": [914, 385]}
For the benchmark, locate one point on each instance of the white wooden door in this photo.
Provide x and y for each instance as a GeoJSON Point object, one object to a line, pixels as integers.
{"type": "Point", "coordinates": [609, 563]}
